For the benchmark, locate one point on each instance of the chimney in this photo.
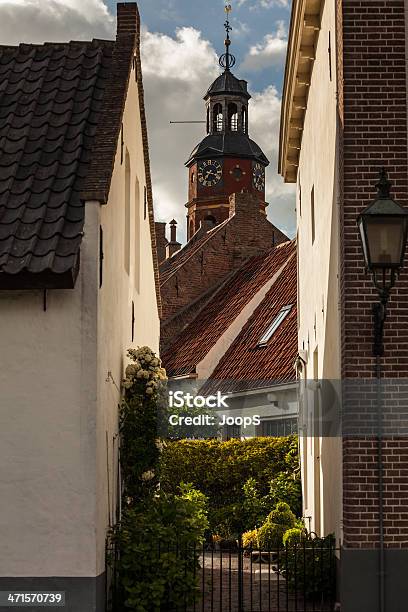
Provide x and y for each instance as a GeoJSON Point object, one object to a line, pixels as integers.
{"type": "Point", "coordinates": [173, 246]}
{"type": "Point", "coordinates": [161, 241]}
{"type": "Point", "coordinates": [128, 18]}
{"type": "Point", "coordinates": [244, 205]}
{"type": "Point", "coordinates": [173, 230]}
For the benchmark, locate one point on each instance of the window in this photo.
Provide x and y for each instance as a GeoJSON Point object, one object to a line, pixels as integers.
{"type": "Point", "coordinates": [211, 219]}
{"type": "Point", "coordinates": [232, 117]}
{"type": "Point", "coordinates": [217, 118]}
{"type": "Point", "coordinates": [133, 321]}
{"type": "Point", "coordinates": [278, 427]}
{"type": "Point", "coordinates": [312, 213]}
{"type": "Point", "coordinates": [280, 317]}
{"type": "Point", "coordinates": [330, 57]}
{"type": "Point", "coordinates": [137, 239]}
{"type": "Point", "coordinates": [231, 431]}
{"type": "Point", "coordinates": [101, 256]}
{"type": "Point", "coordinates": [300, 198]}
{"type": "Point", "coordinates": [244, 119]}
{"type": "Point", "coordinates": [127, 213]}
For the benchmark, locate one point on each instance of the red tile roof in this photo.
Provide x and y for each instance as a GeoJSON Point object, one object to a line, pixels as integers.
{"type": "Point", "coordinates": [197, 339]}
{"type": "Point", "coordinates": [245, 365]}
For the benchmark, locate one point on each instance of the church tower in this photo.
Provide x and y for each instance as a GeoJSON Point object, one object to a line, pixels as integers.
{"type": "Point", "coordinates": [226, 161]}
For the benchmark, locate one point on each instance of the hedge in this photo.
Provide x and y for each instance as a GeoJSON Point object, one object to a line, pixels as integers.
{"type": "Point", "coordinates": [221, 469]}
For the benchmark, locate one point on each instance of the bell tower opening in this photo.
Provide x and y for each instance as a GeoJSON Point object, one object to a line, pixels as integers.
{"type": "Point", "coordinates": [218, 119]}
{"type": "Point", "coordinates": [244, 115]}
{"type": "Point", "coordinates": [232, 117]}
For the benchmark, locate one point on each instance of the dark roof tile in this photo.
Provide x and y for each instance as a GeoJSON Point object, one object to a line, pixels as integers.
{"type": "Point", "coordinates": [51, 99]}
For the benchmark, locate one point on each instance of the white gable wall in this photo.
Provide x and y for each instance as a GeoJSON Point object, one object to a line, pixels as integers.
{"type": "Point", "coordinates": [122, 284]}
{"type": "Point", "coordinates": [58, 410]}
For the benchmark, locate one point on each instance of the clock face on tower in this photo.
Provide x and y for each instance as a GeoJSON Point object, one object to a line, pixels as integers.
{"type": "Point", "coordinates": [259, 177]}
{"type": "Point", "coordinates": [209, 173]}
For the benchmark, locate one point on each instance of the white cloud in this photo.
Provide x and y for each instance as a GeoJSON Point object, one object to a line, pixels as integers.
{"type": "Point", "coordinates": [271, 3]}
{"type": "Point", "coordinates": [264, 122]}
{"type": "Point", "coordinates": [177, 72]}
{"type": "Point", "coordinates": [266, 4]}
{"type": "Point", "coordinates": [270, 52]}
{"type": "Point", "coordinates": [37, 21]}
{"type": "Point", "coordinates": [240, 28]}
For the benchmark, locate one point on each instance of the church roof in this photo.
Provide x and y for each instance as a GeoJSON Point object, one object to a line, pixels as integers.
{"type": "Point", "coordinates": [227, 83]}
{"type": "Point", "coordinates": [233, 144]}
{"type": "Point", "coordinates": [246, 365]}
{"type": "Point", "coordinates": [227, 302]}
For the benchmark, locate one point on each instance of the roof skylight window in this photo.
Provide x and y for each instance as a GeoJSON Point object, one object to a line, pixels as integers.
{"type": "Point", "coordinates": [278, 320]}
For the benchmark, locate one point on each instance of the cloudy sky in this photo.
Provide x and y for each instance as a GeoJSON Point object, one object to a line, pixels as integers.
{"type": "Point", "coordinates": [181, 43]}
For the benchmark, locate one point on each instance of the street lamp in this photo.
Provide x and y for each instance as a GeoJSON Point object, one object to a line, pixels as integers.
{"type": "Point", "coordinates": [383, 230]}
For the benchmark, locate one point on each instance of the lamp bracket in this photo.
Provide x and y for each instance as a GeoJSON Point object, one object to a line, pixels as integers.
{"type": "Point", "coordinates": [379, 314]}
{"type": "Point", "coordinates": [384, 281]}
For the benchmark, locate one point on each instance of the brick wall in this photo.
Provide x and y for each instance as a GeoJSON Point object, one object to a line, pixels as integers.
{"type": "Point", "coordinates": [246, 233]}
{"type": "Point", "coordinates": [161, 240]}
{"type": "Point", "coordinates": [375, 135]}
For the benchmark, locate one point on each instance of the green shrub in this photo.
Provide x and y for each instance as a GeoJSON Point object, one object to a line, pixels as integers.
{"type": "Point", "coordinates": [254, 508]}
{"type": "Point", "coordinates": [235, 475]}
{"type": "Point", "coordinates": [226, 521]}
{"type": "Point", "coordinates": [270, 534]}
{"type": "Point", "coordinates": [250, 539]}
{"type": "Point", "coordinates": [158, 544]}
{"type": "Point", "coordinates": [310, 563]}
{"type": "Point", "coordinates": [282, 515]}
{"type": "Point", "coordinates": [287, 487]}
{"type": "Point", "coordinates": [294, 536]}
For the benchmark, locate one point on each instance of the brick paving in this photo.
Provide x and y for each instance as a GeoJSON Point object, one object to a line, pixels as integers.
{"type": "Point", "coordinates": [219, 582]}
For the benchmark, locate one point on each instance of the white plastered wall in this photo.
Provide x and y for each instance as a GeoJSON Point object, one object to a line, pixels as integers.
{"type": "Point", "coordinates": [319, 327]}
{"type": "Point", "coordinates": [123, 283]}
{"type": "Point", "coordinates": [58, 407]}
{"type": "Point", "coordinates": [47, 427]}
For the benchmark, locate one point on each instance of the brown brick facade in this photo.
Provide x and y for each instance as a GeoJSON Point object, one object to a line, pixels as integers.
{"type": "Point", "coordinates": [375, 136]}
{"type": "Point", "coordinates": [219, 252]}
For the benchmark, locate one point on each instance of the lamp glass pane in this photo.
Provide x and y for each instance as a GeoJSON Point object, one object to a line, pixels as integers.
{"type": "Point", "coordinates": [385, 237]}
{"type": "Point", "coordinates": [363, 236]}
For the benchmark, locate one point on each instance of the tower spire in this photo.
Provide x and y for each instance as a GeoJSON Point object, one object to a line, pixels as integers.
{"type": "Point", "coordinates": [227, 60]}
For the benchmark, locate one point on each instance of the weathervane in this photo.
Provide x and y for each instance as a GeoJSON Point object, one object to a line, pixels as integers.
{"type": "Point", "coordinates": [227, 60]}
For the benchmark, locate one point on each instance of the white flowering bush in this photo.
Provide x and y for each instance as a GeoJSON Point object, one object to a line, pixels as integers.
{"type": "Point", "coordinates": [145, 372]}
{"type": "Point", "coordinates": [142, 415]}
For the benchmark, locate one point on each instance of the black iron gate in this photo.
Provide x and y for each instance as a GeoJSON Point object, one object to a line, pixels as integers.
{"type": "Point", "coordinates": [231, 578]}
{"type": "Point", "coordinates": [299, 578]}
